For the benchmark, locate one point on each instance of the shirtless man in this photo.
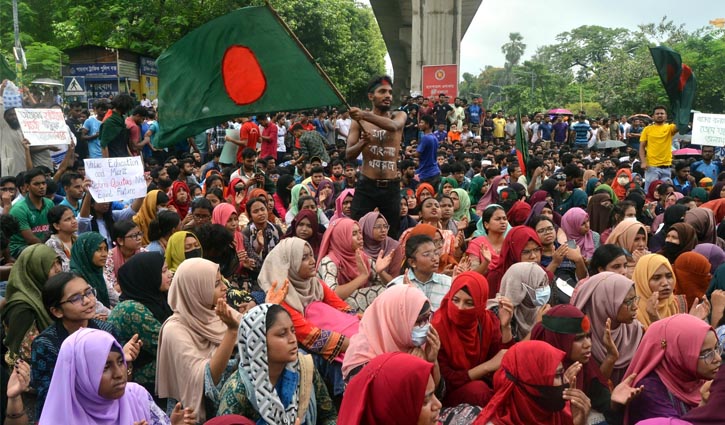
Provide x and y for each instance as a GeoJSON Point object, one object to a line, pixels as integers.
{"type": "Point", "coordinates": [379, 140]}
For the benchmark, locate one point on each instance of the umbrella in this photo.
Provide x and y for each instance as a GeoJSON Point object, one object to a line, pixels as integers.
{"type": "Point", "coordinates": [686, 152]}
{"type": "Point", "coordinates": [46, 82]}
{"type": "Point", "coordinates": [643, 117]}
{"type": "Point", "coordinates": [559, 111]}
{"type": "Point", "coordinates": [609, 144]}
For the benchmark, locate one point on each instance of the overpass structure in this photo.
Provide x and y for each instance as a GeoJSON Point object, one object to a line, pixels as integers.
{"type": "Point", "coordinates": [422, 32]}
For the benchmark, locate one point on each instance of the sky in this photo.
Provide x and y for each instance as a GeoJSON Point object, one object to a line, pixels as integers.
{"type": "Point", "coordinates": [540, 22]}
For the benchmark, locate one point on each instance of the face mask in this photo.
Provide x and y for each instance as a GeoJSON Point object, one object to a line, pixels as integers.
{"type": "Point", "coordinates": [419, 334]}
{"type": "Point", "coordinates": [542, 295]}
{"type": "Point", "coordinates": [670, 248]}
{"type": "Point", "coordinates": [549, 397]}
{"type": "Point", "coordinates": [194, 253]}
{"type": "Point", "coordinates": [623, 181]}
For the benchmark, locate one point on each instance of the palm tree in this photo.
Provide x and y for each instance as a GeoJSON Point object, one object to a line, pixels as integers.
{"type": "Point", "coordinates": [513, 50]}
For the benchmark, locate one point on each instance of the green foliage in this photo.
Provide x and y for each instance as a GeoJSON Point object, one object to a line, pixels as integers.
{"type": "Point", "coordinates": [341, 35]}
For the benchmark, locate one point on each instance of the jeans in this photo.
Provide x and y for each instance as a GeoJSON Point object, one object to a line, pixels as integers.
{"type": "Point", "coordinates": [370, 193]}
{"type": "Point", "coordinates": [655, 173]}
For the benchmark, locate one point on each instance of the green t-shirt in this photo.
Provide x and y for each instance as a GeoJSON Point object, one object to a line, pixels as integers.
{"type": "Point", "coordinates": [29, 218]}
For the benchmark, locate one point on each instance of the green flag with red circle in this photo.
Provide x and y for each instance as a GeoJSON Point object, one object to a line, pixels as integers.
{"type": "Point", "coordinates": [241, 64]}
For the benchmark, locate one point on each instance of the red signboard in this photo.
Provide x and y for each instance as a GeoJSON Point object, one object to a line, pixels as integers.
{"type": "Point", "coordinates": [439, 79]}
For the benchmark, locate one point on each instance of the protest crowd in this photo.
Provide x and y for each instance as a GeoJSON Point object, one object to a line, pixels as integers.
{"type": "Point", "coordinates": [417, 262]}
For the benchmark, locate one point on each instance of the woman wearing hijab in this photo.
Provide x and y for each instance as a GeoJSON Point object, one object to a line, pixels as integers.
{"type": "Point", "coordinates": [127, 243]}
{"type": "Point", "coordinates": [703, 221]}
{"type": "Point", "coordinates": [692, 271]}
{"type": "Point", "coordinates": [600, 211]}
{"type": "Point", "coordinates": [463, 210]}
{"type": "Point", "coordinates": [611, 297]}
{"type": "Point", "coordinates": [323, 322]}
{"type": "Point", "coordinates": [711, 413]}
{"type": "Point", "coordinates": [87, 259]}
{"type": "Point", "coordinates": [274, 384]}
{"type": "Point", "coordinates": [566, 328]}
{"type": "Point", "coordinates": [621, 180]}
{"type": "Point", "coordinates": [446, 260]}
{"type": "Point", "coordinates": [260, 236]}
{"type": "Point", "coordinates": [325, 197]}
{"type": "Point", "coordinates": [527, 368]}
{"type": "Point", "coordinates": [714, 254]}
{"type": "Point", "coordinates": [652, 195]}
{"type": "Point", "coordinates": [526, 285]}
{"type": "Point", "coordinates": [577, 200]}
{"type": "Point", "coordinates": [374, 396]}
{"type": "Point", "coordinates": [654, 278]}
{"type": "Point", "coordinates": [675, 358]}
{"type": "Point", "coordinates": [717, 191]}
{"type": "Point", "coordinates": [196, 342]}
{"type": "Point", "coordinates": [346, 268]}
{"type": "Point", "coordinates": [575, 223]}
{"type": "Point", "coordinates": [471, 340]}
{"type": "Point", "coordinates": [591, 185]}
{"type": "Point", "coordinates": [397, 321]}
{"type": "Point", "coordinates": [491, 231]}
{"type": "Point", "coordinates": [631, 235]}
{"type": "Point", "coordinates": [423, 192]}
{"type": "Point", "coordinates": [154, 200]}
{"type": "Point", "coordinates": [298, 191]}
{"type": "Point", "coordinates": [376, 241]}
{"type": "Point", "coordinates": [447, 184]}
{"type": "Point", "coordinates": [518, 213]}
{"type": "Point", "coordinates": [343, 205]}
{"type": "Point", "coordinates": [563, 262]}
{"type": "Point", "coordinates": [226, 215]}
{"type": "Point", "coordinates": [605, 188]}
{"type": "Point", "coordinates": [672, 215]}
{"type": "Point", "coordinates": [144, 281]}
{"type": "Point", "coordinates": [491, 195]}
{"type": "Point", "coordinates": [305, 226]}
{"type": "Point", "coordinates": [182, 246]}
{"type": "Point", "coordinates": [180, 198]}
{"type": "Point", "coordinates": [24, 315]}
{"type": "Point", "coordinates": [283, 195]}
{"type": "Point", "coordinates": [681, 237]}
{"type": "Point", "coordinates": [90, 385]}
{"type": "Point", "coordinates": [475, 189]}
{"type": "Point", "coordinates": [521, 244]}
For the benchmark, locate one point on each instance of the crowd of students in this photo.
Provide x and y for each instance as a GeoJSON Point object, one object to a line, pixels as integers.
{"type": "Point", "coordinates": [571, 292]}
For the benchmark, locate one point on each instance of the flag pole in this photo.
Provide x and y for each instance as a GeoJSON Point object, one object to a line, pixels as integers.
{"type": "Point", "coordinates": [307, 53]}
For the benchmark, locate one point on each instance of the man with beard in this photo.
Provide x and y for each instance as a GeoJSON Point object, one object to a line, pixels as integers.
{"type": "Point", "coordinates": [377, 134]}
{"type": "Point", "coordinates": [160, 178]}
{"type": "Point", "coordinates": [31, 213]}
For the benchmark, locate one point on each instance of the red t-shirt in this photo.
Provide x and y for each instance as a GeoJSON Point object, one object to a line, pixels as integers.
{"type": "Point", "coordinates": [269, 147]}
{"type": "Point", "coordinates": [250, 133]}
{"type": "Point", "coordinates": [135, 134]}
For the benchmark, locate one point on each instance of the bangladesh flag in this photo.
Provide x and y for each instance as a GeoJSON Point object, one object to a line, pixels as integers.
{"type": "Point", "coordinates": [679, 83]}
{"type": "Point", "coordinates": [241, 64]}
{"type": "Point", "coordinates": [522, 148]}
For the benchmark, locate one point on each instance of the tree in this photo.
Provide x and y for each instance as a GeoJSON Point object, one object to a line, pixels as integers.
{"type": "Point", "coordinates": [513, 50]}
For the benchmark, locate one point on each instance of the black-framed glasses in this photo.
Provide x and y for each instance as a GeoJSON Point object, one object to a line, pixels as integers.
{"type": "Point", "coordinates": [78, 298]}
{"type": "Point", "coordinates": [545, 230]}
{"type": "Point", "coordinates": [709, 355]}
{"type": "Point", "coordinates": [137, 235]}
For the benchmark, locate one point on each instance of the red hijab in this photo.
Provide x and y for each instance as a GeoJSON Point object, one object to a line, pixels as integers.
{"type": "Point", "coordinates": [619, 190]}
{"type": "Point", "coordinates": [389, 390]}
{"type": "Point", "coordinates": [230, 194]}
{"type": "Point", "coordinates": [513, 244]}
{"type": "Point", "coordinates": [337, 244]}
{"type": "Point", "coordinates": [467, 335]}
{"type": "Point", "coordinates": [421, 187]}
{"type": "Point", "coordinates": [177, 187]}
{"type": "Point", "coordinates": [533, 363]}
{"type": "Point", "coordinates": [518, 213]}
{"type": "Point", "coordinates": [652, 189]}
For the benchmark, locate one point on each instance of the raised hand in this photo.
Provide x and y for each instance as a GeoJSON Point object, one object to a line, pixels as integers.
{"type": "Point", "coordinates": [505, 311]}
{"type": "Point", "coordinates": [542, 311]}
{"type": "Point", "coordinates": [383, 262]}
{"type": "Point", "coordinates": [608, 342]}
{"type": "Point", "coordinates": [361, 267]}
{"type": "Point", "coordinates": [276, 296]}
{"type": "Point", "coordinates": [463, 266]}
{"type": "Point", "coordinates": [651, 309]}
{"type": "Point", "coordinates": [406, 278]}
{"type": "Point", "coordinates": [624, 392]}
{"type": "Point", "coordinates": [432, 345]}
{"type": "Point", "coordinates": [700, 309]}
{"type": "Point", "coordinates": [19, 381]}
{"type": "Point", "coordinates": [580, 403]}
{"type": "Point", "coordinates": [226, 314]}
{"type": "Point", "coordinates": [182, 416]}
{"type": "Point", "coordinates": [132, 348]}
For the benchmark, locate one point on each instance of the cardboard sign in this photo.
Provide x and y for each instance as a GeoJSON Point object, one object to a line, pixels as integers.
{"type": "Point", "coordinates": [708, 129]}
{"type": "Point", "coordinates": [43, 127]}
{"type": "Point", "coordinates": [116, 179]}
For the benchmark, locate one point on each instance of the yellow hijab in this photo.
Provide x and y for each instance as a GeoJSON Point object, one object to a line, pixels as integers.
{"type": "Point", "coordinates": [146, 214]}
{"type": "Point", "coordinates": [175, 254]}
{"type": "Point", "coordinates": [646, 267]}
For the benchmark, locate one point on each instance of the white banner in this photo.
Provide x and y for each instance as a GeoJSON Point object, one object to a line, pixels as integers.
{"type": "Point", "coordinates": [43, 127]}
{"type": "Point", "coordinates": [116, 179]}
{"type": "Point", "coordinates": [708, 129]}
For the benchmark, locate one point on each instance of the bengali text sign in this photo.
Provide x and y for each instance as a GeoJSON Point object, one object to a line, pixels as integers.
{"type": "Point", "coordinates": [708, 129]}
{"type": "Point", "coordinates": [43, 127]}
{"type": "Point", "coordinates": [116, 179]}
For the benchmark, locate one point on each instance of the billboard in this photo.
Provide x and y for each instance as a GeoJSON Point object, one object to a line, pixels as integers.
{"type": "Point", "coordinates": [439, 79]}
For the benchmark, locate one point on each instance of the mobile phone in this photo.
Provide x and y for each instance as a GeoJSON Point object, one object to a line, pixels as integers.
{"type": "Point", "coordinates": [571, 243]}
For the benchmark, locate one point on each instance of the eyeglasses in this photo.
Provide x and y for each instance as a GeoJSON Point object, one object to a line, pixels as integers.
{"type": "Point", "coordinates": [709, 355]}
{"type": "Point", "coordinates": [528, 252]}
{"type": "Point", "coordinates": [137, 235]}
{"type": "Point", "coordinates": [202, 216]}
{"type": "Point", "coordinates": [630, 303]}
{"type": "Point", "coordinates": [545, 230]}
{"type": "Point", "coordinates": [383, 227]}
{"type": "Point", "coordinates": [7, 189]}
{"type": "Point", "coordinates": [78, 298]}
{"type": "Point", "coordinates": [431, 254]}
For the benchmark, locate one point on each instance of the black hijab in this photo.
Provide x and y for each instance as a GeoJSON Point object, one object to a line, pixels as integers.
{"type": "Point", "coordinates": [140, 280]}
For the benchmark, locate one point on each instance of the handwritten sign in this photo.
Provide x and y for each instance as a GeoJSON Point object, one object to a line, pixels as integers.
{"type": "Point", "coordinates": [43, 127]}
{"type": "Point", "coordinates": [116, 179]}
{"type": "Point", "coordinates": [708, 129]}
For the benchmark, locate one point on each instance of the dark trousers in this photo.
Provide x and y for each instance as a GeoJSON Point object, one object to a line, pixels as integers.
{"type": "Point", "coordinates": [370, 195]}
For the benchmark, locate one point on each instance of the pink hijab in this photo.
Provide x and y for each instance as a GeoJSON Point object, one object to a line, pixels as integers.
{"type": "Point", "coordinates": [670, 348]}
{"type": "Point", "coordinates": [73, 390]}
{"type": "Point", "coordinates": [338, 204]}
{"type": "Point", "coordinates": [337, 244]}
{"type": "Point", "coordinates": [386, 326]}
{"type": "Point", "coordinates": [221, 215]}
{"type": "Point", "coordinates": [570, 223]}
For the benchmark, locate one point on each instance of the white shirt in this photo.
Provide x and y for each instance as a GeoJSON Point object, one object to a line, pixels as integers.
{"type": "Point", "coordinates": [146, 103]}
{"type": "Point", "coordinates": [281, 132]}
{"type": "Point", "coordinates": [343, 128]}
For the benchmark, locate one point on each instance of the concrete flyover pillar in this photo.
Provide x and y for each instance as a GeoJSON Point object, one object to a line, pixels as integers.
{"type": "Point", "coordinates": [436, 33]}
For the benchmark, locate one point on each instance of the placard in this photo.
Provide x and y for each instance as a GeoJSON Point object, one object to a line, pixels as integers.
{"type": "Point", "coordinates": [708, 129]}
{"type": "Point", "coordinates": [440, 79]}
{"type": "Point", "coordinates": [116, 179]}
{"type": "Point", "coordinates": [43, 127]}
